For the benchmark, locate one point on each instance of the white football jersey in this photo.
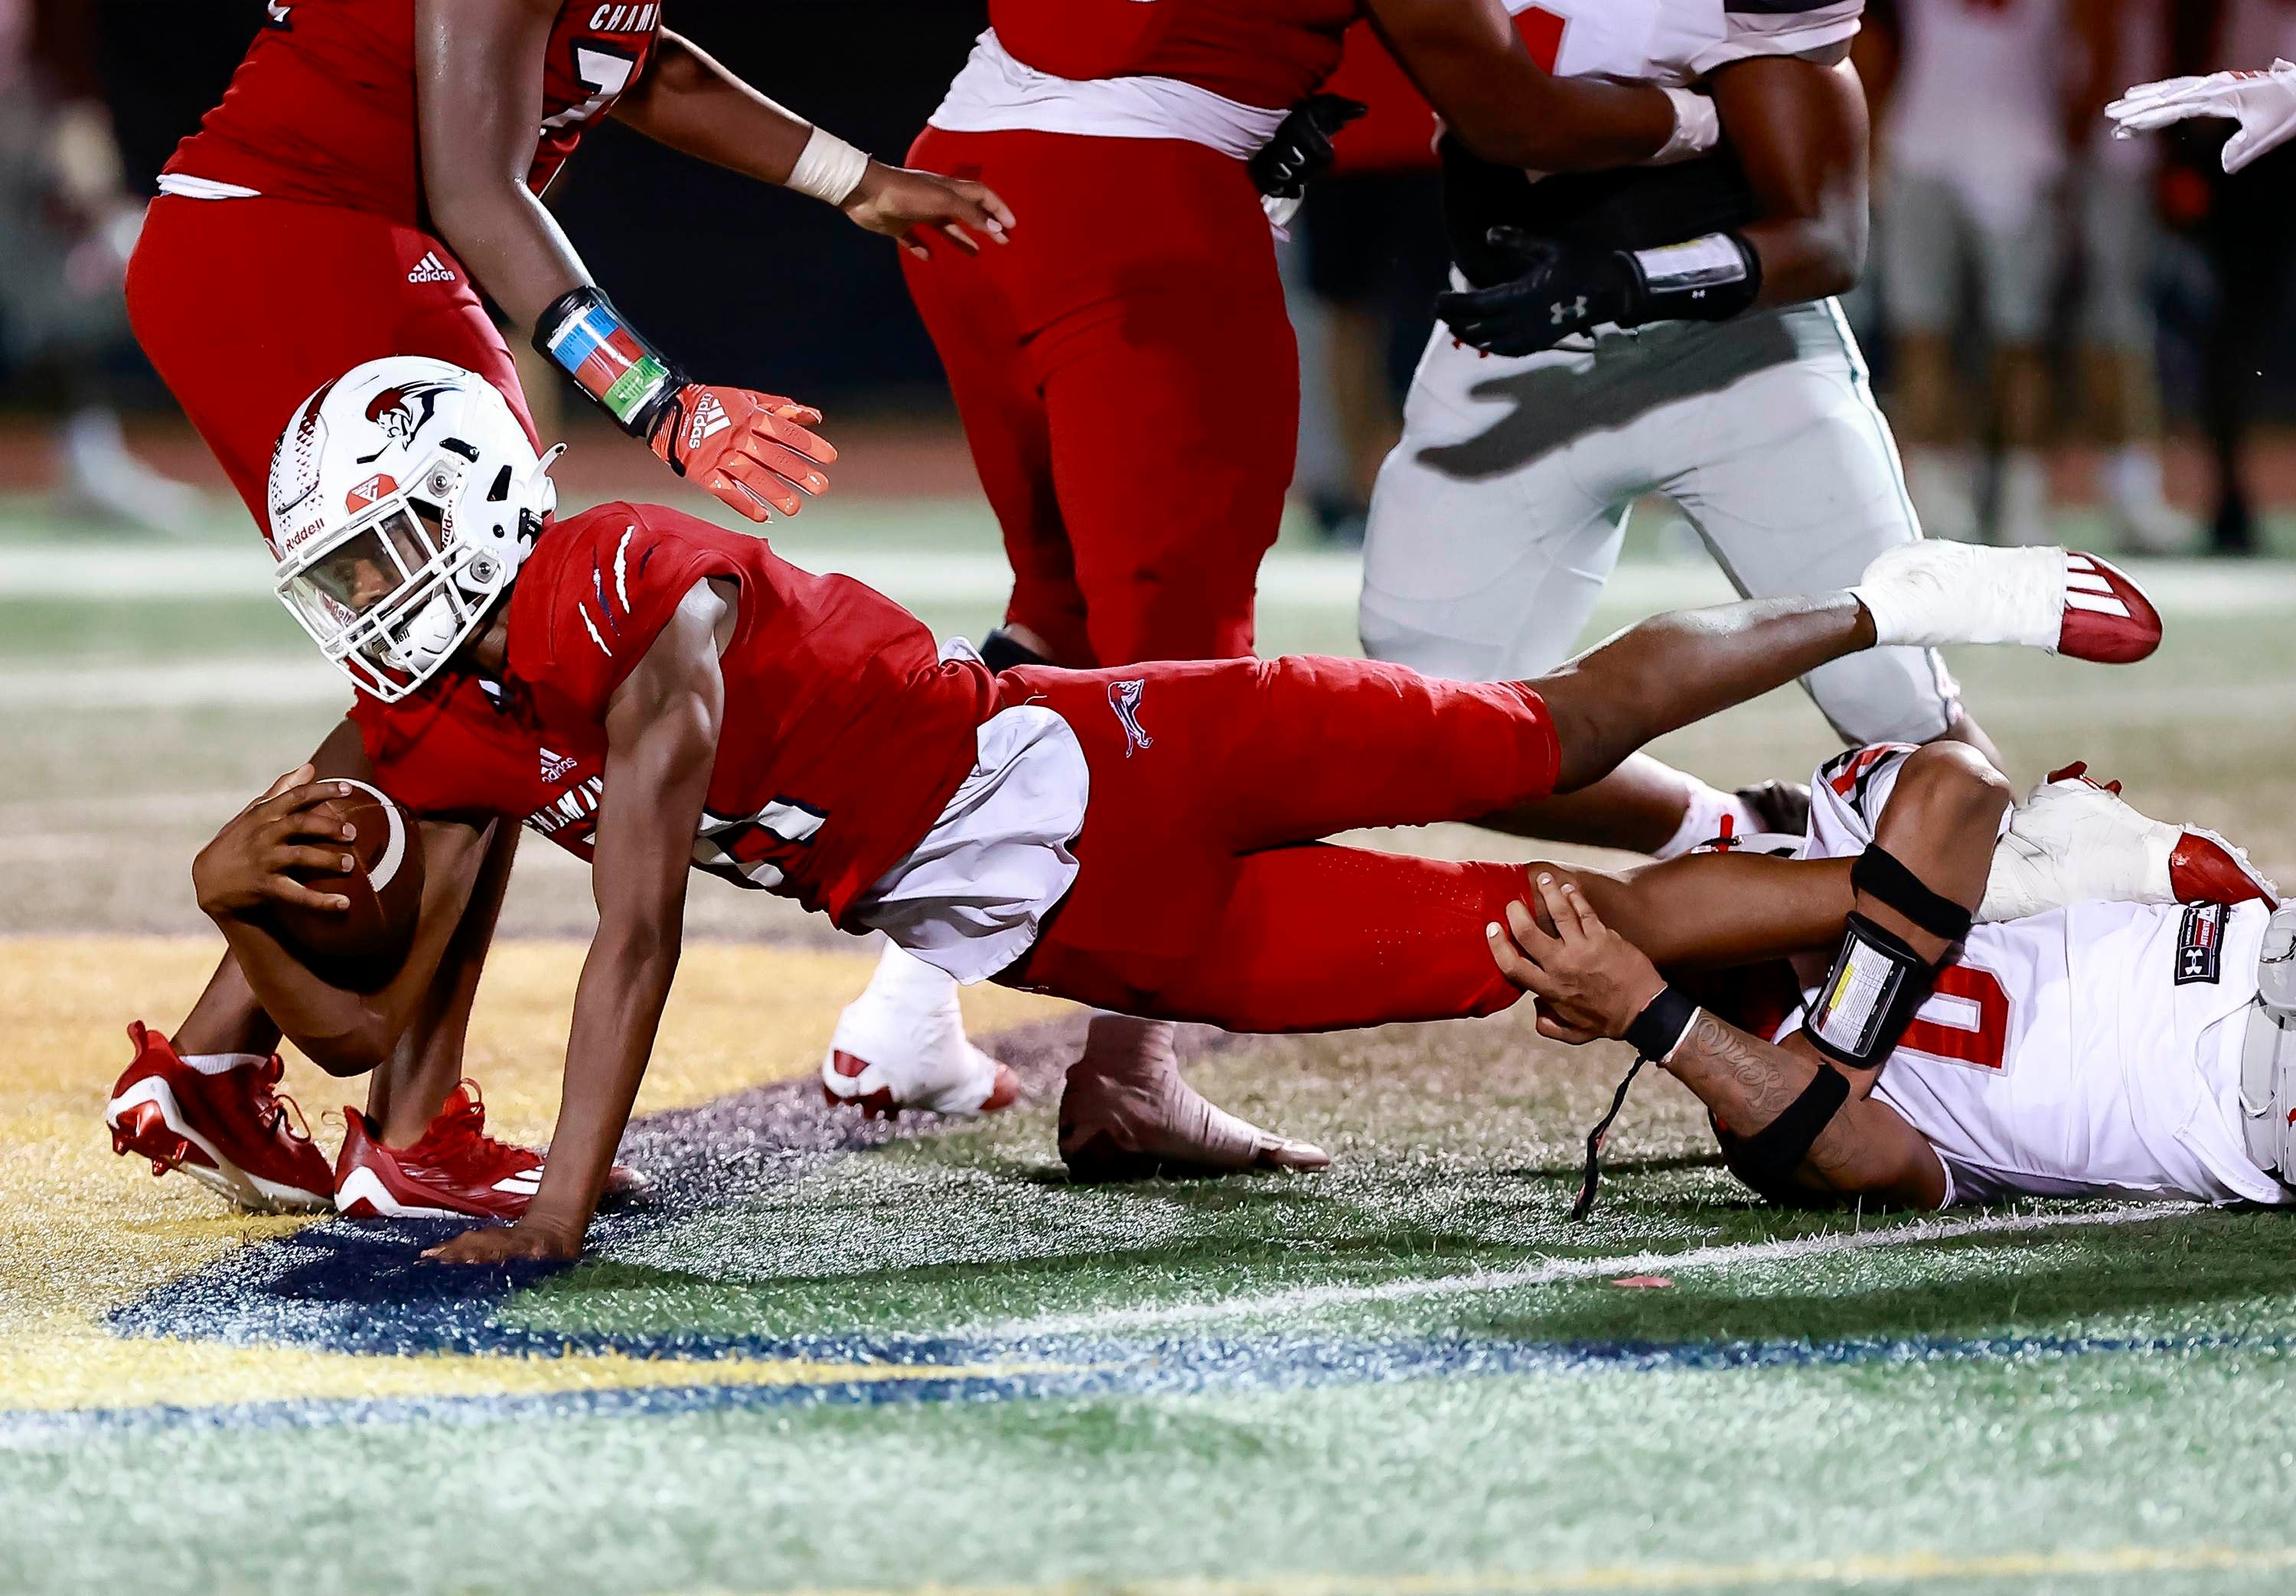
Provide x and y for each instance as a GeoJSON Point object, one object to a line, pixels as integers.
{"type": "Point", "coordinates": [1675, 42]}
{"type": "Point", "coordinates": [2092, 1050]}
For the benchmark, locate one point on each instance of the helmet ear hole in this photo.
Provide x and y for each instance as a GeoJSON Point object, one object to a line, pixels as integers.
{"type": "Point", "coordinates": [500, 491]}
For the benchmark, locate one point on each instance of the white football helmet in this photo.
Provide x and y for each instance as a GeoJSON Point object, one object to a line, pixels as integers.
{"type": "Point", "coordinates": [404, 495]}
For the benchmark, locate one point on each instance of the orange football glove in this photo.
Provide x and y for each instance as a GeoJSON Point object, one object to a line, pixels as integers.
{"type": "Point", "coordinates": [753, 450]}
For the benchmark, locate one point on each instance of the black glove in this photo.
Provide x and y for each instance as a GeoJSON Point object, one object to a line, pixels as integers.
{"type": "Point", "coordinates": [1565, 288]}
{"type": "Point", "coordinates": [1301, 148]}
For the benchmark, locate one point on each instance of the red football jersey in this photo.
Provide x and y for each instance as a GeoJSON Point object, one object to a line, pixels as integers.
{"type": "Point", "coordinates": [323, 108]}
{"type": "Point", "coordinates": [1271, 54]}
{"type": "Point", "coordinates": [844, 737]}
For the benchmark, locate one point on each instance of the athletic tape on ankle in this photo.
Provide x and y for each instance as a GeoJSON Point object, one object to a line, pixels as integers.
{"type": "Point", "coordinates": [1882, 877]}
{"type": "Point", "coordinates": [583, 335]}
{"type": "Point", "coordinates": [1877, 985]}
{"type": "Point", "coordinates": [828, 168]}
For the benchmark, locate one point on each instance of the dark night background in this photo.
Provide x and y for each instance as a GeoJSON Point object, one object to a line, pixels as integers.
{"type": "Point", "coordinates": [819, 310]}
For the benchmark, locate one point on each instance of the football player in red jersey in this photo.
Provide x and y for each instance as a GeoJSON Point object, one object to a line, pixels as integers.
{"type": "Point", "coordinates": [658, 695]}
{"type": "Point", "coordinates": [1144, 301]}
{"type": "Point", "coordinates": [375, 166]}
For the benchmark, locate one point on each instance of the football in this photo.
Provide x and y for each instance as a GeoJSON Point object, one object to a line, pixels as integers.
{"type": "Point", "coordinates": [365, 944]}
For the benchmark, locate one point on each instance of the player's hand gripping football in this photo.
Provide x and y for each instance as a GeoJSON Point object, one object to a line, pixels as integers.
{"type": "Point", "coordinates": [900, 204]}
{"type": "Point", "coordinates": [526, 1243]}
{"type": "Point", "coordinates": [1590, 982]}
{"type": "Point", "coordinates": [246, 866]}
{"type": "Point", "coordinates": [2264, 104]}
{"type": "Point", "coordinates": [753, 450]}
{"type": "Point", "coordinates": [1565, 288]}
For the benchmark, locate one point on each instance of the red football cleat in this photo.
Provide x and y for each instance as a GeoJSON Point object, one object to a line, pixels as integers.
{"type": "Point", "coordinates": [453, 1171]}
{"type": "Point", "coordinates": [2108, 619]}
{"type": "Point", "coordinates": [2203, 868]}
{"type": "Point", "coordinates": [228, 1131]}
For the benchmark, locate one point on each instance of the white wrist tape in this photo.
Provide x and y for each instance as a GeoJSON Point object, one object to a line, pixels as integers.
{"type": "Point", "coordinates": [1697, 128]}
{"type": "Point", "coordinates": [829, 170]}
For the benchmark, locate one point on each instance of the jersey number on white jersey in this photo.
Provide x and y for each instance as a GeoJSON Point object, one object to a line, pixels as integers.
{"type": "Point", "coordinates": [1965, 1021]}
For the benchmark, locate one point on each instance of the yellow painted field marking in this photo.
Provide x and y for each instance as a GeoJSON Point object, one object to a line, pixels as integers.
{"type": "Point", "coordinates": [82, 1233]}
{"type": "Point", "coordinates": [1905, 1567]}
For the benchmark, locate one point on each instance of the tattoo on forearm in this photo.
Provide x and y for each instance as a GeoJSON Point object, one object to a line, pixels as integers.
{"type": "Point", "coordinates": [1743, 1078]}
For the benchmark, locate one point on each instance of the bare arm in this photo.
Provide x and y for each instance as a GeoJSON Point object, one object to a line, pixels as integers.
{"type": "Point", "coordinates": [1592, 983]}
{"type": "Point", "coordinates": [479, 87]}
{"type": "Point", "coordinates": [1800, 130]}
{"type": "Point", "coordinates": [1465, 56]}
{"type": "Point", "coordinates": [662, 727]}
{"type": "Point", "coordinates": [689, 101]}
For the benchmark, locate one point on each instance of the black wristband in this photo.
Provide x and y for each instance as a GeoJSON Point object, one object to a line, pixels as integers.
{"type": "Point", "coordinates": [1658, 1029]}
{"type": "Point", "coordinates": [1709, 279]}
{"type": "Point", "coordinates": [1883, 876]}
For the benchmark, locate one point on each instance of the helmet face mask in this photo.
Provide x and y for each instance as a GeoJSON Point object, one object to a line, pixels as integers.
{"type": "Point", "coordinates": [391, 581]}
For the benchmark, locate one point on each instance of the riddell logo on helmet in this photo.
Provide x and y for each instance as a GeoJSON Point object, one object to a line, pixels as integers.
{"type": "Point", "coordinates": [381, 486]}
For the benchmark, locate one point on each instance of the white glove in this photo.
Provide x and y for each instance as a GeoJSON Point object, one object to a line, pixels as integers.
{"type": "Point", "coordinates": [2264, 104]}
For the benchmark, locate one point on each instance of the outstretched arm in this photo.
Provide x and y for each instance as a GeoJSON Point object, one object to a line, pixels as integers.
{"type": "Point", "coordinates": [1466, 57]}
{"type": "Point", "coordinates": [662, 725]}
{"type": "Point", "coordinates": [478, 86]}
{"type": "Point", "coordinates": [1591, 983]}
{"type": "Point", "coordinates": [690, 102]}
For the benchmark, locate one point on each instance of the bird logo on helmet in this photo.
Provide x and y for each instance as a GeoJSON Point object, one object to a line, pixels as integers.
{"type": "Point", "coordinates": [405, 496]}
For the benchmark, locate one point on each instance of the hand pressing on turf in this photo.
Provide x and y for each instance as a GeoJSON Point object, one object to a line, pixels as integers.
{"type": "Point", "coordinates": [527, 1241]}
{"type": "Point", "coordinates": [1590, 982]}
{"type": "Point", "coordinates": [247, 864]}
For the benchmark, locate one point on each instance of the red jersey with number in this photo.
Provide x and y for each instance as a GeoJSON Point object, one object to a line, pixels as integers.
{"type": "Point", "coordinates": [845, 735]}
{"type": "Point", "coordinates": [323, 108]}
{"type": "Point", "coordinates": [1267, 53]}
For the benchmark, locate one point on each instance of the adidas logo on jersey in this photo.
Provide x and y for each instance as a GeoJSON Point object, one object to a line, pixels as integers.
{"type": "Point", "coordinates": [431, 269]}
{"type": "Point", "coordinates": [556, 767]}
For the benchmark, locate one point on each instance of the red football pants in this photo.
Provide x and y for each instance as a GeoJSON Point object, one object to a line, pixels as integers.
{"type": "Point", "coordinates": [246, 307]}
{"type": "Point", "coordinates": [1195, 899]}
{"type": "Point", "coordinates": [1129, 383]}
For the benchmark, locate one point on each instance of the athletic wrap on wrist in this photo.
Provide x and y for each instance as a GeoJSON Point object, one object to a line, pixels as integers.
{"type": "Point", "coordinates": [1877, 985]}
{"type": "Point", "coordinates": [1665, 1020]}
{"type": "Point", "coordinates": [828, 168]}
{"type": "Point", "coordinates": [583, 335]}
{"type": "Point", "coordinates": [1697, 128]}
{"type": "Point", "coordinates": [1707, 279]}
{"type": "Point", "coordinates": [1767, 1160]}
{"type": "Point", "coordinates": [1881, 876]}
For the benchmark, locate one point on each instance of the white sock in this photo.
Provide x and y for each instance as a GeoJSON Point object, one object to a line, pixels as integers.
{"type": "Point", "coordinates": [222, 1063]}
{"type": "Point", "coordinates": [902, 978]}
{"type": "Point", "coordinates": [1702, 818]}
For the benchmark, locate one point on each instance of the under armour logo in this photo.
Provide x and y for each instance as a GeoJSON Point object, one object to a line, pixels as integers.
{"type": "Point", "coordinates": [1123, 698]}
{"type": "Point", "coordinates": [1561, 314]}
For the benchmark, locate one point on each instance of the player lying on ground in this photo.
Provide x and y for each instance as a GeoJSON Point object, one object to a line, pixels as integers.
{"type": "Point", "coordinates": [2086, 1035]}
{"type": "Point", "coordinates": [1141, 840]}
{"type": "Point", "coordinates": [395, 152]}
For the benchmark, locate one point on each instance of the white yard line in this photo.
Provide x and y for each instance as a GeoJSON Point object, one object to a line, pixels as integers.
{"type": "Point", "coordinates": [1556, 1271]}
